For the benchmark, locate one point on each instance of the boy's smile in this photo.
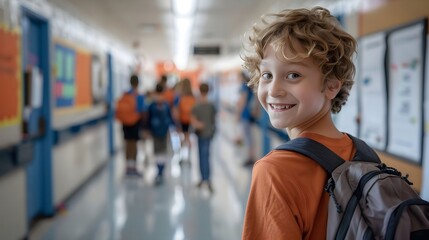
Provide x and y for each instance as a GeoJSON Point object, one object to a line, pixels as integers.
{"type": "Point", "coordinates": [291, 91]}
{"type": "Point", "coordinates": [280, 107]}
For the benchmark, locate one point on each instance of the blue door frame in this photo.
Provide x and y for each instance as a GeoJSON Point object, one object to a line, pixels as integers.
{"type": "Point", "coordinates": [110, 101]}
{"type": "Point", "coordinates": [35, 53]}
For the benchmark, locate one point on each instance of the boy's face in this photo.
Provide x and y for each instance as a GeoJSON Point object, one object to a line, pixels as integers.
{"type": "Point", "coordinates": [291, 92]}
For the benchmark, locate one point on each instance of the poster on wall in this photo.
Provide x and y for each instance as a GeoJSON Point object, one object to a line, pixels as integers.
{"type": "Point", "coordinates": [405, 66]}
{"type": "Point", "coordinates": [425, 163]}
{"type": "Point", "coordinates": [65, 63]}
{"type": "Point", "coordinates": [373, 90]}
{"type": "Point", "coordinates": [99, 80]}
{"type": "Point", "coordinates": [83, 94]}
{"type": "Point", "coordinates": [10, 78]}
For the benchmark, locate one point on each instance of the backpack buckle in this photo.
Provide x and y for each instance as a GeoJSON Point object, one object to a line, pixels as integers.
{"type": "Point", "coordinates": [330, 186]}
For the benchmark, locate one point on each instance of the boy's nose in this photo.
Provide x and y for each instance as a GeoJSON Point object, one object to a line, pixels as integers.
{"type": "Point", "coordinates": [276, 89]}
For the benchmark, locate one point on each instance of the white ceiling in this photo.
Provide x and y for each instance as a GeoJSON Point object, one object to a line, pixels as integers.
{"type": "Point", "coordinates": [146, 26]}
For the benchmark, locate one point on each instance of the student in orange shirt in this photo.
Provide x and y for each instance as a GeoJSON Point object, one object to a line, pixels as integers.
{"type": "Point", "coordinates": [169, 93]}
{"type": "Point", "coordinates": [301, 67]}
{"type": "Point", "coordinates": [183, 110]}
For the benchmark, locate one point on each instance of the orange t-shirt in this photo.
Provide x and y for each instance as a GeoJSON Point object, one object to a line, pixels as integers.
{"type": "Point", "coordinates": [287, 198]}
{"type": "Point", "coordinates": [186, 103]}
{"type": "Point", "coordinates": [168, 96]}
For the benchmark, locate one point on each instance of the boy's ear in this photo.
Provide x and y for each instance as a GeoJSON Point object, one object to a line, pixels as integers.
{"type": "Point", "coordinates": [333, 86]}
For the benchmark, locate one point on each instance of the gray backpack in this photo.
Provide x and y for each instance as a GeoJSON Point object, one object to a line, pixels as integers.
{"type": "Point", "coordinates": [369, 200]}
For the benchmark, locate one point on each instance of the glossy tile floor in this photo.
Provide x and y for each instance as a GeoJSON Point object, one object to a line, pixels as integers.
{"type": "Point", "coordinates": [111, 206]}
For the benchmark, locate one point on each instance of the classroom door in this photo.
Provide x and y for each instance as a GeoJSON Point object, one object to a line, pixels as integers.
{"type": "Point", "coordinates": [37, 128]}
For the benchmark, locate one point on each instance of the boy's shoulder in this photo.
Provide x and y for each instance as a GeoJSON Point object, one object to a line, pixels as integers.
{"type": "Point", "coordinates": [296, 160]}
{"type": "Point", "coordinates": [285, 167]}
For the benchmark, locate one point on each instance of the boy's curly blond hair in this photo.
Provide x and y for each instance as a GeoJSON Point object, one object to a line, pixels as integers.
{"type": "Point", "coordinates": [311, 33]}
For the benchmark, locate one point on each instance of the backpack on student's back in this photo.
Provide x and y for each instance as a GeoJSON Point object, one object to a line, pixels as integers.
{"type": "Point", "coordinates": [126, 109]}
{"type": "Point", "coordinates": [369, 200]}
{"type": "Point", "coordinates": [159, 118]}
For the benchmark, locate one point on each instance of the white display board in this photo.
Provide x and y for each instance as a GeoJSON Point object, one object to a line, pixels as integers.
{"type": "Point", "coordinates": [373, 90]}
{"type": "Point", "coordinates": [346, 119]}
{"type": "Point", "coordinates": [425, 163]}
{"type": "Point", "coordinates": [405, 65]}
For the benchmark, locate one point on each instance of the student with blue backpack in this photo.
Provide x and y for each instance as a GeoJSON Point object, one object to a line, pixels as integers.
{"type": "Point", "coordinates": [301, 65]}
{"type": "Point", "coordinates": [159, 120]}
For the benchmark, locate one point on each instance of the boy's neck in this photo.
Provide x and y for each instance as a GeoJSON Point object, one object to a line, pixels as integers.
{"type": "Point", "coordinates": [323, 125]}
{"type": "Point", "coordinates": [203, 98]}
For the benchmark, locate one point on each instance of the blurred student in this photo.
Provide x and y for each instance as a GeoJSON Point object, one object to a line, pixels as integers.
{"type": "Point", "coordinates": [184, 107]}
{"type": "Point", "coordinates": [159, 120]}
{"type": "Point", "coordinates": [169, 93]}
{"type": "Point", "coordinates": [130, 111]}
{"type": "Point", "coordinates": [244, 116]}
{"type": "Point", "coordinates": [301, 63]}
{"type": "Point", "coordinates": [203, 121]}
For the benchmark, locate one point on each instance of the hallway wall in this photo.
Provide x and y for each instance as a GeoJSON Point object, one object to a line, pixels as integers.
{"type": "Point", "coordinates": [13, 223]}
{"type": "Point", "coordinates": [76, 160]}
{"type": "Point", "coordinates": [383, 15]}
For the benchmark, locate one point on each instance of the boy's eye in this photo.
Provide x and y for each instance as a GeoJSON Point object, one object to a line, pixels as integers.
{"type": "Point", "coordinates": [293, 75]}
{"type": "Point", "coordinates": [267, 76]}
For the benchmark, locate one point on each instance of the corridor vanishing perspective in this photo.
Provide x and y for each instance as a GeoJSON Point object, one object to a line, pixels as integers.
{"type": "Point", "coordinates": [114, 206]}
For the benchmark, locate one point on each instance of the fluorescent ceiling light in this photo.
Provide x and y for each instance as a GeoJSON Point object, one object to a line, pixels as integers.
{"type": "Point", "coordinates": [184, 7]}
{"type": "Point", "coordinates": [183, 24]}
{"type": "Point", "coordinates": [184, 11]}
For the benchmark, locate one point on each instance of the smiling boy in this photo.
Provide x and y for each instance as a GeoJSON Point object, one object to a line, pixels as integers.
{"type": "Point", "coordinates": [301, 67]}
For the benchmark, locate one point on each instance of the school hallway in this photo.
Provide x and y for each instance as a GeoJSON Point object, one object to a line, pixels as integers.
{"type": "Point", "coordinates": [113, 206]}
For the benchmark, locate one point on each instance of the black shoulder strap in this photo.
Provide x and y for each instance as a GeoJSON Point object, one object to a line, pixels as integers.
{"type": "Point", "coordinates": [363, 152]}
{"type": "Point", "coordinates": [314, 150]}
{"type": "Point", "coordinates": [324, 156]}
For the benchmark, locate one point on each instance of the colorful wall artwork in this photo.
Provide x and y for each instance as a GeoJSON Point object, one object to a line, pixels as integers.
{"type": "Point", "coordinates": [65, 88]}
{"type": "Point", "coordinates": [10, 92]}
{"type": "Point", "coordinates": [72, 77]}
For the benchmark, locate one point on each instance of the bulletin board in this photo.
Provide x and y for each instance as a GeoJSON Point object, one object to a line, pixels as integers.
{"type": "Point", "coordinates": [378, 16]}
{"type": "Point", "coordinates": [10, 90]}
{"type": "Point", "coordinates": [73, 77]}
{"type": "Point", "coordinates": [406, 58]}
{"type": "Point", "coordinates": [83, 80]}
{"type": "Point", "coordinates": [373, 90]}
{"type": "Point", "coordinates": [65, 67]}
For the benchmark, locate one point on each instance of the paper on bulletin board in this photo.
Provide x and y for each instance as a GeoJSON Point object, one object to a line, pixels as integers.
{"type": "Point", "coordinates": [36, 87]}
{"type": "Point", "coordinates": [425, 175]}
{"type": "Point", "coordinates": [405, 92]}
{"type": "Point", "coordinates": [372, 85]}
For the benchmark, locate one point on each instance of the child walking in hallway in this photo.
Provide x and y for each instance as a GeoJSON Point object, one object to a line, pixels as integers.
{"type": "Point", "coordinates": [203, 121]}
{"type": "Point", "coordinates": [159, 121]}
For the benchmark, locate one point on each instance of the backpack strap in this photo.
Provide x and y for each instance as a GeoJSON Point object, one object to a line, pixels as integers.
{"type": "Point", "coordinates": [314, 150]}
{"type": "Point", "coordinates": [324, 156]}
{"type": "Point", "coordinates": [363, 152]}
